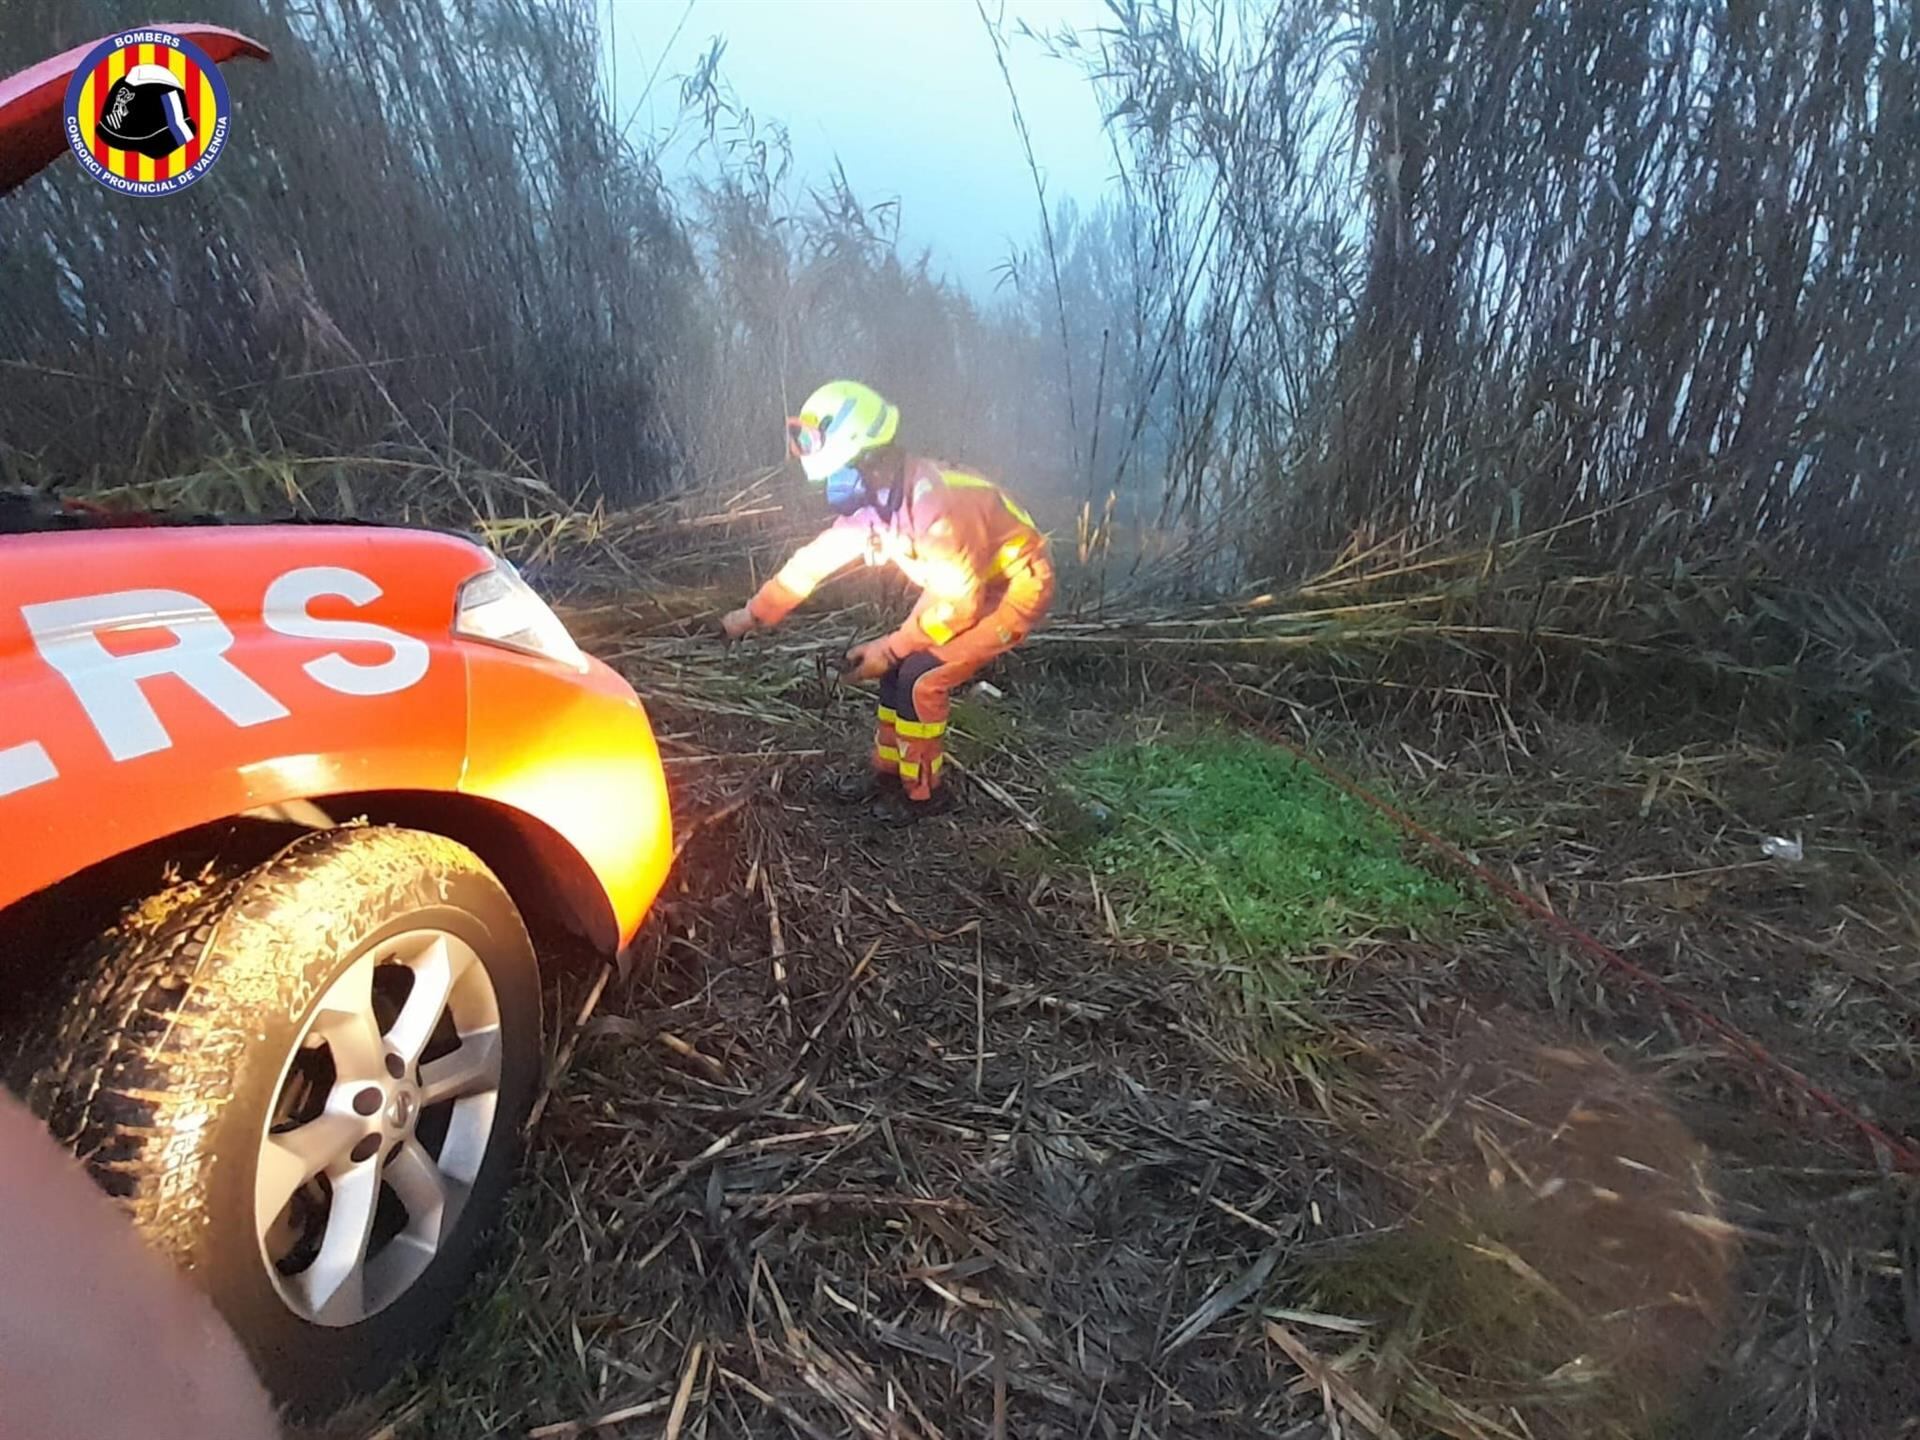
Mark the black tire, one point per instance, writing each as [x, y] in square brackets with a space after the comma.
[167, 1067]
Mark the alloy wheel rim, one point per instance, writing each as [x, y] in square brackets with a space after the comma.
[381, 1121]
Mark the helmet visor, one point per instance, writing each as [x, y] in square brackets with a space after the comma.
[805, 436]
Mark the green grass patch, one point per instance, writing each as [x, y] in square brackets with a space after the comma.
[1227, 840]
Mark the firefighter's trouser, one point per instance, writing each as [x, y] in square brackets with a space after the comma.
[916, 693]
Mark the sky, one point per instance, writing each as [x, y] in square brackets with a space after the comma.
[906, 94]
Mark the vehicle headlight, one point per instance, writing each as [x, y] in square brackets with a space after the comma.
[501, 609]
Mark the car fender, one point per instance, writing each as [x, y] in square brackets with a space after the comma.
[575, 751]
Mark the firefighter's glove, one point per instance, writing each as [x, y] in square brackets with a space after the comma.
[867, 662]
[737, 623]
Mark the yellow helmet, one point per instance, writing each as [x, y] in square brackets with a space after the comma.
[839, 422]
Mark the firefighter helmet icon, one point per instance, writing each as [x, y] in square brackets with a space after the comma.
[147, 113]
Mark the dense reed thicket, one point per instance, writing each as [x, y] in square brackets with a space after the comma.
[1373, 267]
[426, 240]
[1477, 267]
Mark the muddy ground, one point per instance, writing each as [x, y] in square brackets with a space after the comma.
[903, 1134]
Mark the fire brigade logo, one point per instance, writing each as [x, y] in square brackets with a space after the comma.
[147, 113]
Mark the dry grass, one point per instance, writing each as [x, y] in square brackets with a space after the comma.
[885, 1145]
[911, 1136]
[908, 1137]
[1480, 632]
[1660, 854]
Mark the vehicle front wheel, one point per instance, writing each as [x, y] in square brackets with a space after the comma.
[308, 1084]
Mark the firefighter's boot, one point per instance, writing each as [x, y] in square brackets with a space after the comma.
[862, 786]
[898, 808]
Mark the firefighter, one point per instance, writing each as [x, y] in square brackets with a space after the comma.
[980, 561]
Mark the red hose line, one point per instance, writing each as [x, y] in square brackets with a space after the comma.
[1902, 1152]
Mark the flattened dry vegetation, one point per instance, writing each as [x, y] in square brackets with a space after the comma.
[887, 1143]
[1061, 1116]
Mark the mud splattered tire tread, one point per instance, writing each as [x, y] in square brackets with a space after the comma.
[165, 1064]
